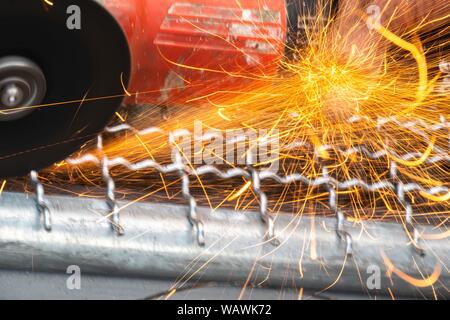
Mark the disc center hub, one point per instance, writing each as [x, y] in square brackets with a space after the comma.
[12, 95]
[22, 86]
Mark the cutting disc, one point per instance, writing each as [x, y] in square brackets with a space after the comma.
[63, 70]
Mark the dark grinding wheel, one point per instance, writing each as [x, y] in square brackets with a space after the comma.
[77, 65]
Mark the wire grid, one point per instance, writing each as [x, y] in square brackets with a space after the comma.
[259, 176]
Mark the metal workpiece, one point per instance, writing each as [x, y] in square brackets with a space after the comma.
[159, 244]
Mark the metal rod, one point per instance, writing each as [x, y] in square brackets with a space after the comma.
[159, 244]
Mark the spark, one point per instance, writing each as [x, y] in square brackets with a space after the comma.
[171, 294]
[300, 294]
[437, 236]
[120, 117]
[127, 93]
[222, 115]
[442, 198]
[419, 161]
[418, 55]
[2, 187]
[390, 293]
[420, 283]
[244, 188]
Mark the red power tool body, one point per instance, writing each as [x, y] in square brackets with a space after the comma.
[182, 48]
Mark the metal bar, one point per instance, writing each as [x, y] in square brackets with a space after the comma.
[159, 244]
